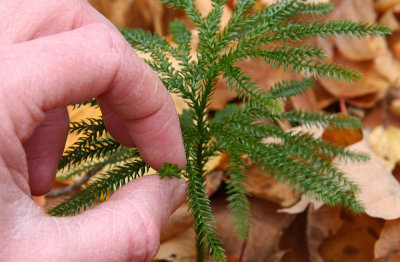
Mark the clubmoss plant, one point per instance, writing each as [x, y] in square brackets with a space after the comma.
[276, 34]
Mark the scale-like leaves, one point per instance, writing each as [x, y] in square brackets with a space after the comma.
[296, 158]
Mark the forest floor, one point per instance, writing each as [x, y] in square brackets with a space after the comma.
[287, 226]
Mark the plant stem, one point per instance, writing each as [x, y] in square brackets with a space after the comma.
[200, 250]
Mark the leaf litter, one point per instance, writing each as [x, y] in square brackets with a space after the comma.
[288, 226]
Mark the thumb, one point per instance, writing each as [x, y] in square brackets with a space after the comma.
[125, 228]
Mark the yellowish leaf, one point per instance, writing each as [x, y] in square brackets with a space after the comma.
[385, 142]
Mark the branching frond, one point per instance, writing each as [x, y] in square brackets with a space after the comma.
[286, 89]
[296, 158]
[199, 204]
[297, 32]
[86, 149]
[120, 156]
[321, 120]
[100, 188]
[304, 176]
[247, 90]
[311, 67]
[315, 9]
[236, 185]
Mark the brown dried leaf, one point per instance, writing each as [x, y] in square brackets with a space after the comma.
[358, 11]
[222, 95]
[385, 142]
[380, 192]
[266, 229]
[342, 137]
[354, 241]
[180, 248]
[384, 5]
[388, 243]
[372, 82]
[389, 19]
[179, 221]
[293, 242]
[301, 205]
[205, 6]
[265, 187]
[149, 15]
[322, 223]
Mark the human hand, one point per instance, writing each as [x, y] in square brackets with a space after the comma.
[56, 53]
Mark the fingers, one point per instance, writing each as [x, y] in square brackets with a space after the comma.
[44, 148]
[44, 17]
[132, 219]
[125, 228]
[92, 61]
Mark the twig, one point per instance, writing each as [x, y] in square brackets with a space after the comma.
[68, 189]
[241, 256]
[343, 107]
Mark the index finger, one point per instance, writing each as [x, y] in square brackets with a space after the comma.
[92, 61]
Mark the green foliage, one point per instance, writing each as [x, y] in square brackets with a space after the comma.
[169, 170]
[274, 33]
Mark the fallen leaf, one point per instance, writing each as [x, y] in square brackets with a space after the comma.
[263, 186]
[222, 95]
[357, 11]
[383, 5]
[354, 241]
[389, 19]
[306, 101]
[293, 242]
[378, 115]
[301, 205]
[179, 221]
[372, 82]
[380, 191]
[388, 243]
[385, 142]
[267, 227]
[342, 137]
[148, 15]
[180, 248]
[213, 181]
[322, 223]
[205, 6]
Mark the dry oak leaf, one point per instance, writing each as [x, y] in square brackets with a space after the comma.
[354, 241]
[322, 222]
[263, 186]
[179, 248]
[380, 191]
[373, 83]
[384, 5]
[179, 222]
[267, 227]
[358, 11]
[388, 243]
[385, 142]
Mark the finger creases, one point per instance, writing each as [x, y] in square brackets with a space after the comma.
[93, 61]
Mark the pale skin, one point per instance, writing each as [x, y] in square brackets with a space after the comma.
[57, 53]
